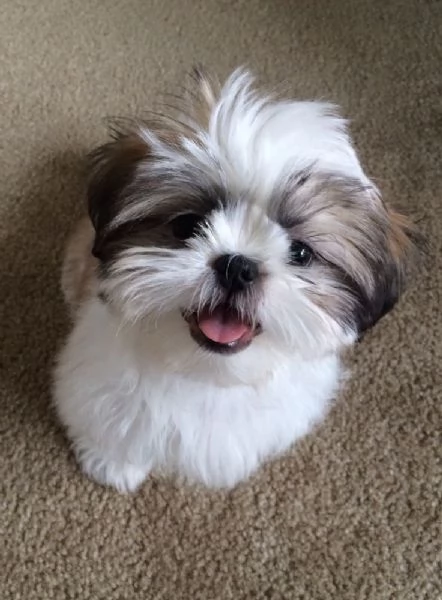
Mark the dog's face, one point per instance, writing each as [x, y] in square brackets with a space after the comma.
[249, 217]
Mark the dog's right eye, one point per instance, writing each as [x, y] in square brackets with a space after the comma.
[300, 254]
[185, 226]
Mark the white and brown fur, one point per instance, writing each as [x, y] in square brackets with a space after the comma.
[134, 389]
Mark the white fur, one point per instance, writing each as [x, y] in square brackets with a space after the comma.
[135, 391]
[134, 403]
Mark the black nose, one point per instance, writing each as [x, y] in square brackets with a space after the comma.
[235, 272]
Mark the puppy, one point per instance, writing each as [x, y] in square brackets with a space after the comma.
[232, 251]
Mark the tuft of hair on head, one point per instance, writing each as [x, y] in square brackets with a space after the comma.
[207, 92]
[137, 143]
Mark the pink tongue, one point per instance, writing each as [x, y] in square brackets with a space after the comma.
[222, 327]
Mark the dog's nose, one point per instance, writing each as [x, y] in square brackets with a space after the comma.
[235, 272]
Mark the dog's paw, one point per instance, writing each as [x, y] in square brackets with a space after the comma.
[124, 476]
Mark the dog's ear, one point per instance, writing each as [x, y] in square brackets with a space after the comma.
[112, 170]
[401, 244]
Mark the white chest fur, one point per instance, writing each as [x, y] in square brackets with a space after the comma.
[131, 405]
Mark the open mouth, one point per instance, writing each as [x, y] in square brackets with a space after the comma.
[221, 330]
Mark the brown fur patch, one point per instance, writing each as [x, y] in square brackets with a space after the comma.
[113, 166]
[362, 246]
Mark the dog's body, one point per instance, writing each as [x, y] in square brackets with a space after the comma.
[226, 266]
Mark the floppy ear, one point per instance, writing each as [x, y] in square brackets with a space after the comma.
[391, 271]
[113, 168]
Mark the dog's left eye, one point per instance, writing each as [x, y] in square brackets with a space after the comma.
[184, 226]
[300, 254]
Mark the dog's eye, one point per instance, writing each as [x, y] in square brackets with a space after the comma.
[300, 254]
[184, 226]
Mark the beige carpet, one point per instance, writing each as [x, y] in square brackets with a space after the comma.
[354, 511]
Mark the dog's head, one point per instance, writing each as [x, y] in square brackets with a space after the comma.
[251, 218]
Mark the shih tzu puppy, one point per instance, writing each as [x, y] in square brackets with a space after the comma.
[232, 251]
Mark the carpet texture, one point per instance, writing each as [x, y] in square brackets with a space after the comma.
[353, 511]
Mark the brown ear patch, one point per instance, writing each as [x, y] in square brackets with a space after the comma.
[365, 250]
[401, 244]
[133, 148]
[113, 166]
